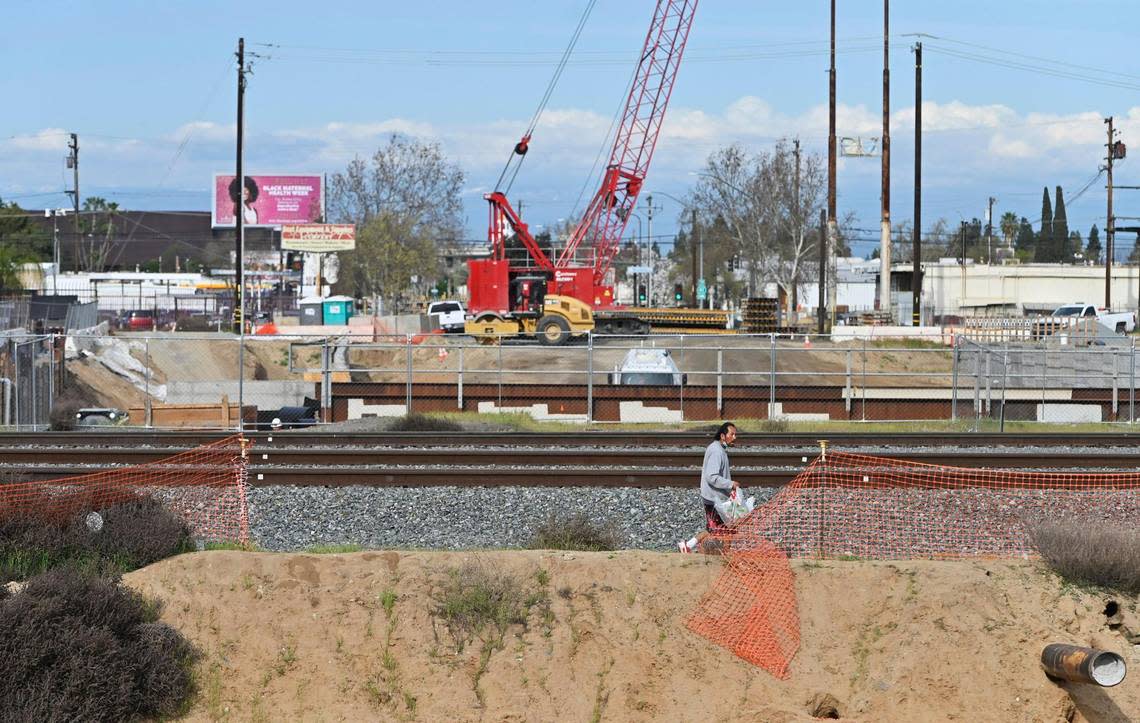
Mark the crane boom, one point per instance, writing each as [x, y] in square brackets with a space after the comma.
[605, 219]
[494, 282]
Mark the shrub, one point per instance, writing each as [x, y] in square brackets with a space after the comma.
[1091, 552]
[135, 533]
[424, 423]
[77, 646]
[774, 425]
[575, 532]
[476, 598]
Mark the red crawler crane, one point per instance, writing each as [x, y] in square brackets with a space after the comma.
[603, 224]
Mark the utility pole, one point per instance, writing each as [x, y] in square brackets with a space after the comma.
[990, 231]
[821, 310]
[239, 211]
[795, 302]
[1110, 226]
[832, 224]
[916, 231]
[885, 230]
[649, 252]
[962, 244]
[693, 253]
[73, 164]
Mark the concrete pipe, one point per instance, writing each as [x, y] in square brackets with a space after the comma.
[1082, 665]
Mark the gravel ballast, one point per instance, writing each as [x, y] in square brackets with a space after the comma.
[288, 518]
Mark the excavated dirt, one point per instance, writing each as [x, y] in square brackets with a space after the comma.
[744, 361]
[307, 637]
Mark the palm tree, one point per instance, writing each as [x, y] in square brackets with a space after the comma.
[1009, 224]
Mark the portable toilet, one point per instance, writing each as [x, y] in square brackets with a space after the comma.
[312, 311]
[338, 309]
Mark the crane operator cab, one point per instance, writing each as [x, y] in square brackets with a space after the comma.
[528, 295]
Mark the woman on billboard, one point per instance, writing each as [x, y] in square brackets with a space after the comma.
[248, 196]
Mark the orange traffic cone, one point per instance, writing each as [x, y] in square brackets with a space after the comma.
[807, 342]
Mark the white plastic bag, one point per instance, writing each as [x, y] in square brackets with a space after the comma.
[735, 507]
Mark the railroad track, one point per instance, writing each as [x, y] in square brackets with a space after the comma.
[282, 461]
[314, 438]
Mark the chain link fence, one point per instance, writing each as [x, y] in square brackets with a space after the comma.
[216, 380]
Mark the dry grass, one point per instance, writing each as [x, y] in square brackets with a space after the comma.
[575, 532]
[1091, 552]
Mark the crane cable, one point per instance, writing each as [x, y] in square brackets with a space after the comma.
[520, 148]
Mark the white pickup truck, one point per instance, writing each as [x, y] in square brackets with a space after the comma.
[451, 315]
[1120, 321]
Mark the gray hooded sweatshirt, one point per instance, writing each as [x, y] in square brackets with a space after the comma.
[716, 484]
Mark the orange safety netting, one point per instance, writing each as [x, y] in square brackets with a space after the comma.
[849, 505]
[205, 486]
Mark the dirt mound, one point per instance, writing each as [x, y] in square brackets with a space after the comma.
[352, 637]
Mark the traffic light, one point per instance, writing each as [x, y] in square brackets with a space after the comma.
[678, 292]
[641, 296]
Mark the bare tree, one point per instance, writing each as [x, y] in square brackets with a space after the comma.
[405, 199]
[767, 213]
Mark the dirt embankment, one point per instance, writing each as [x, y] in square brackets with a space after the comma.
[309, 637]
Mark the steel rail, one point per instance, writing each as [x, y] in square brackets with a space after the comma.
[311, 437]
[77, 459]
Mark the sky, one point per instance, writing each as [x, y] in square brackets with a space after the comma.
[1015, 93]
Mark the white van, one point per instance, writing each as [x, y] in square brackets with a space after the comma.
[451, 315]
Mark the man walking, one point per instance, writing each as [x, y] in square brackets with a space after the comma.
[716, 481]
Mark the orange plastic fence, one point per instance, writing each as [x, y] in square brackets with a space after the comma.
[205, 486]
[880, 508]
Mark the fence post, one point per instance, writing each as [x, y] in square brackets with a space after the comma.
[326, 382]
[1044, 377]
[500, 405]
[590, 378]
[35, 406]
[1115, 388]
[51, 375]
[681, 386]
[989, 387]
[241, 376]
[771, 375]
[977, 386]
[460, 398]
[16, 386]
[847, 384]
[954, 381]
[863, 391]
[147, 414]
[1132, 383]
[408, 381]
[719, 381]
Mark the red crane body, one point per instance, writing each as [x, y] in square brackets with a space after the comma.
[603, 224]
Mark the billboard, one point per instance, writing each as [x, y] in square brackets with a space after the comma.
[269, 200]
[318, 237]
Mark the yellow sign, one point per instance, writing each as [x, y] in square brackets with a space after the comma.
[318, 237]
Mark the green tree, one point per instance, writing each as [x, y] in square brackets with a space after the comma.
[1026, 240]
[1008, 226]
[1076, 246]
[1134, 257]
[392, 259]
[98, 235]
[1093, 248]
[17, 229]
[1061, 241]
[406, 202]
[11, 260]
[1045, 249]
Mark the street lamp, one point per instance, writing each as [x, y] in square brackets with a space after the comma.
[54, 214]
[700, 242]
[637, 244]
